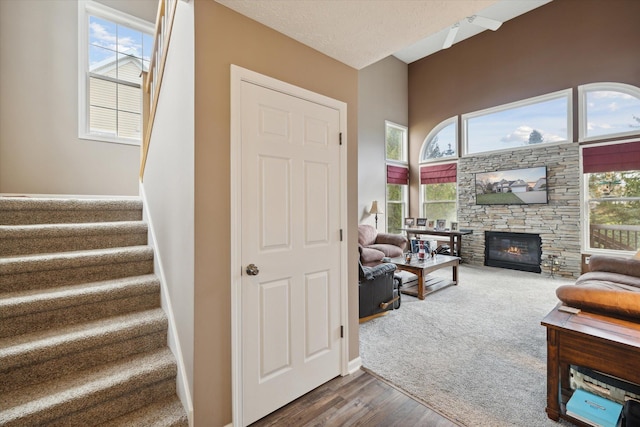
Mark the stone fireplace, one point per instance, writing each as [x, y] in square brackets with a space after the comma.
[517, 251]
[557, 222]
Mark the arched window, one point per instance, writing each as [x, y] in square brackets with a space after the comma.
[442, 141]
[607, 110]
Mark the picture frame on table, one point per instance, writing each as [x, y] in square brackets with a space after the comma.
[408, 222]
[454, 226]
[431, 224]
[441, 224]
[421, 222]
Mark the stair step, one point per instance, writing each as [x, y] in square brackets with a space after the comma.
[42, 346]
[68, 268]
[166, 413]
[83, 340]
[47, 238]
[93, 396]
[27, 210]
[36, 310]
[28, 375]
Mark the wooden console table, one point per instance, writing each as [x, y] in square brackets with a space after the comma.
[455, 237]
[605, 344]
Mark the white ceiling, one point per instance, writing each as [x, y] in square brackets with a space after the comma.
[362, 32]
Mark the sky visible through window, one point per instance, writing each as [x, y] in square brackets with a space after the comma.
[542, 122]
[108, 41]
[611, 112]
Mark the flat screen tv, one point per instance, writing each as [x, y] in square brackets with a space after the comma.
[512, 187]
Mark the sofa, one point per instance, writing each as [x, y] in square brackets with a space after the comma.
[378, 289]
[374, 246]
[612, 287]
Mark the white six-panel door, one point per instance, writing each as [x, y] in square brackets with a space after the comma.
[290, 230]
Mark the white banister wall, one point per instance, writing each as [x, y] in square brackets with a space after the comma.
[168, 191]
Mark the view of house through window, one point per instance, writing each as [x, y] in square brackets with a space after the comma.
[118, 49]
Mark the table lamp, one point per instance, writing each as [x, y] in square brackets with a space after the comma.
[375, 210]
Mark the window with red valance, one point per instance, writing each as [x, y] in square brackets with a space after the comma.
[438, 174]
[397, 175]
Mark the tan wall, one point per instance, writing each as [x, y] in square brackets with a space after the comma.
[222, 38]
[560, 45]
[39, 147]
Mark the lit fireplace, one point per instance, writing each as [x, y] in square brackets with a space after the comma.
[517, 251]
[514, 250]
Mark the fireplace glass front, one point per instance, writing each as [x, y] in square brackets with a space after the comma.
[517, 251]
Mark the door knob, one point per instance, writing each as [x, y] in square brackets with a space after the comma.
[252, 270]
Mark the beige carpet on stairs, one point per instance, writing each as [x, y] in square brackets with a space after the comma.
[83, 340]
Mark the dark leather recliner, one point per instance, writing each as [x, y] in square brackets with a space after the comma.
[378, 289]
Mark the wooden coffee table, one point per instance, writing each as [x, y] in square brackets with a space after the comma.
[422, 268]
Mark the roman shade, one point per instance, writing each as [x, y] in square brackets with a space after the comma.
[438, 174]
[611, 158]
[397, 175]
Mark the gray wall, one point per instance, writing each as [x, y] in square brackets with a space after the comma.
[40, 152]
[382, 95]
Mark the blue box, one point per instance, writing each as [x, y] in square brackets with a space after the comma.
[593, 409]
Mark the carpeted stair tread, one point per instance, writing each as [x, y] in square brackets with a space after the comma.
[35, 301]
[42, 346]
[41, 403]
[166, 413]
[27, 210]
[83, 339]
[92, 358]
[46, 238]
[76, 259]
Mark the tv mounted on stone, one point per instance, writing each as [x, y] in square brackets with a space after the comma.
[512, 187]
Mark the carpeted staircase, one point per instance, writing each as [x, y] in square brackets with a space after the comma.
[83, 340]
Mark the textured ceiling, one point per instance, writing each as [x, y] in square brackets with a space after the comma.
[361, 32]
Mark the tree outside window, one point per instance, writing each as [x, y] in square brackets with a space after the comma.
[395, 207]
[440, 201]
[396, 142]
[397, 176]
[614, 210]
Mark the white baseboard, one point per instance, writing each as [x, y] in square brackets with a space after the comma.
[354, 365]
[182, 384]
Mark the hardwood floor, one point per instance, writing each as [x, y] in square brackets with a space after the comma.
[359, 399]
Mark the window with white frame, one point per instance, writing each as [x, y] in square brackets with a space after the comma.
[396, 148]
[442, 141]
[608, 110]
[114, 48]
[439, 192]
[540, 120]
[612, 196]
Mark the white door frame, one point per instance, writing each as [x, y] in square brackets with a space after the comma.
[238, 75]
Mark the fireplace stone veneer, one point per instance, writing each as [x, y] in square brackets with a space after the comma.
[558, 222]
[517, 251]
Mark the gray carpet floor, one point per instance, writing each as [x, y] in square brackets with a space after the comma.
[475, 352]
